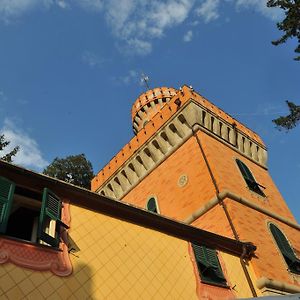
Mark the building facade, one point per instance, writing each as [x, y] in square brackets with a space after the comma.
[194, 163]
[59, 241]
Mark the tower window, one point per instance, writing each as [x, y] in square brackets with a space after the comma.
[152, 205]
[286, 250]
[251, 182]
[208, 264]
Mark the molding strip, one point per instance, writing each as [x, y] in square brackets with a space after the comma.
[232, 196]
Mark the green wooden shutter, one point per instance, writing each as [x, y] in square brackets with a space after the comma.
[51, 210]
[7, 189]
[250, 180]
[208, 265]
[151, 205]
[283, 244]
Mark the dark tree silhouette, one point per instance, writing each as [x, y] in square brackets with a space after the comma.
[3, 144]
[290, 25]
[290, 121]
[75, 169]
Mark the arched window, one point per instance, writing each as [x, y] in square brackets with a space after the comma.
[251, 182]
[152, 205]
[286, 250]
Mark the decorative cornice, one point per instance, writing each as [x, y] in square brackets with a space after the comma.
[170, 137]
[264, 282]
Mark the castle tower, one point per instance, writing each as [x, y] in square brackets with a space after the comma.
[192, 162]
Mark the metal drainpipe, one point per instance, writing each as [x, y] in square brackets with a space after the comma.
[194, 130]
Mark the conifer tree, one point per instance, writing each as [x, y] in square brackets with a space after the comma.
[3, 144]
[290, 25]
[290, 121]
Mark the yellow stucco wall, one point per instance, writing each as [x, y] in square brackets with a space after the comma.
[117, 260]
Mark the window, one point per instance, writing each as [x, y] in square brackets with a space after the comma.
[208, 265]
[251, 182]
[152, 205]
[30, 215]
[286, 250]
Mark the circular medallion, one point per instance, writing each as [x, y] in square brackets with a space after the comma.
[182, 181]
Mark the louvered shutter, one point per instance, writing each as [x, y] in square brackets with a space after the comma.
[151, 205]
[283, 244]
[250, 180]
[51, 210]
[208, 265]
[245, 171]
[7, 189]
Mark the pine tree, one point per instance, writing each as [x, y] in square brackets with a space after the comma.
[290, 121]
[290, 25]
[3, 144]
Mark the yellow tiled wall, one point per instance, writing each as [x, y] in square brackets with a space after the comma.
[117, 260]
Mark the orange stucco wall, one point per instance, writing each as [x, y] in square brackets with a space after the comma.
[175, 201]
[180, 202]
[222, 161]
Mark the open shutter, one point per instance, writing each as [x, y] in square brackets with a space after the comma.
[7, 189]
[50, 211]
[245, 171]
[250, 180]
[208, 265]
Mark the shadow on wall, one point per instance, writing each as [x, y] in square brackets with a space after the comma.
[80, 284]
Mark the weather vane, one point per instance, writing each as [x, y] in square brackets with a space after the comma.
[145, 79]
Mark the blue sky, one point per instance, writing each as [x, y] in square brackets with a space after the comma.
[70, 72]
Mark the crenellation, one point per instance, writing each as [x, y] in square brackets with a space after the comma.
[165, 131]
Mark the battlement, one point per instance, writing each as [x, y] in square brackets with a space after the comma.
[165, 131]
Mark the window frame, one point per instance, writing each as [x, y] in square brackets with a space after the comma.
[45, 212]
[5, 202]
[248, 177]
[284, 246]
[207, 259]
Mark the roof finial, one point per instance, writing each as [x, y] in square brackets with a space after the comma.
[145, 79]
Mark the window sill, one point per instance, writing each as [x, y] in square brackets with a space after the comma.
[35, 256]
[216, 284]
[45, 247]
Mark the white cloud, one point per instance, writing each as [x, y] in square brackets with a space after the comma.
[261, 7]
[137, 23]
[13, 8]
[92, 59]
[208, 10]
[131, 77]
[29, 154]
[62, 3]
[188, 36]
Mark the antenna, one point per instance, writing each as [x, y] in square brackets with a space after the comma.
[145, 79]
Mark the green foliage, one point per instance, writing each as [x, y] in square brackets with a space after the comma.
[75, 169]
[291, 23]
[290, 121]
[4, 143]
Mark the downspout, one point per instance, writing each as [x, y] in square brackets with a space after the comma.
[195, 128]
